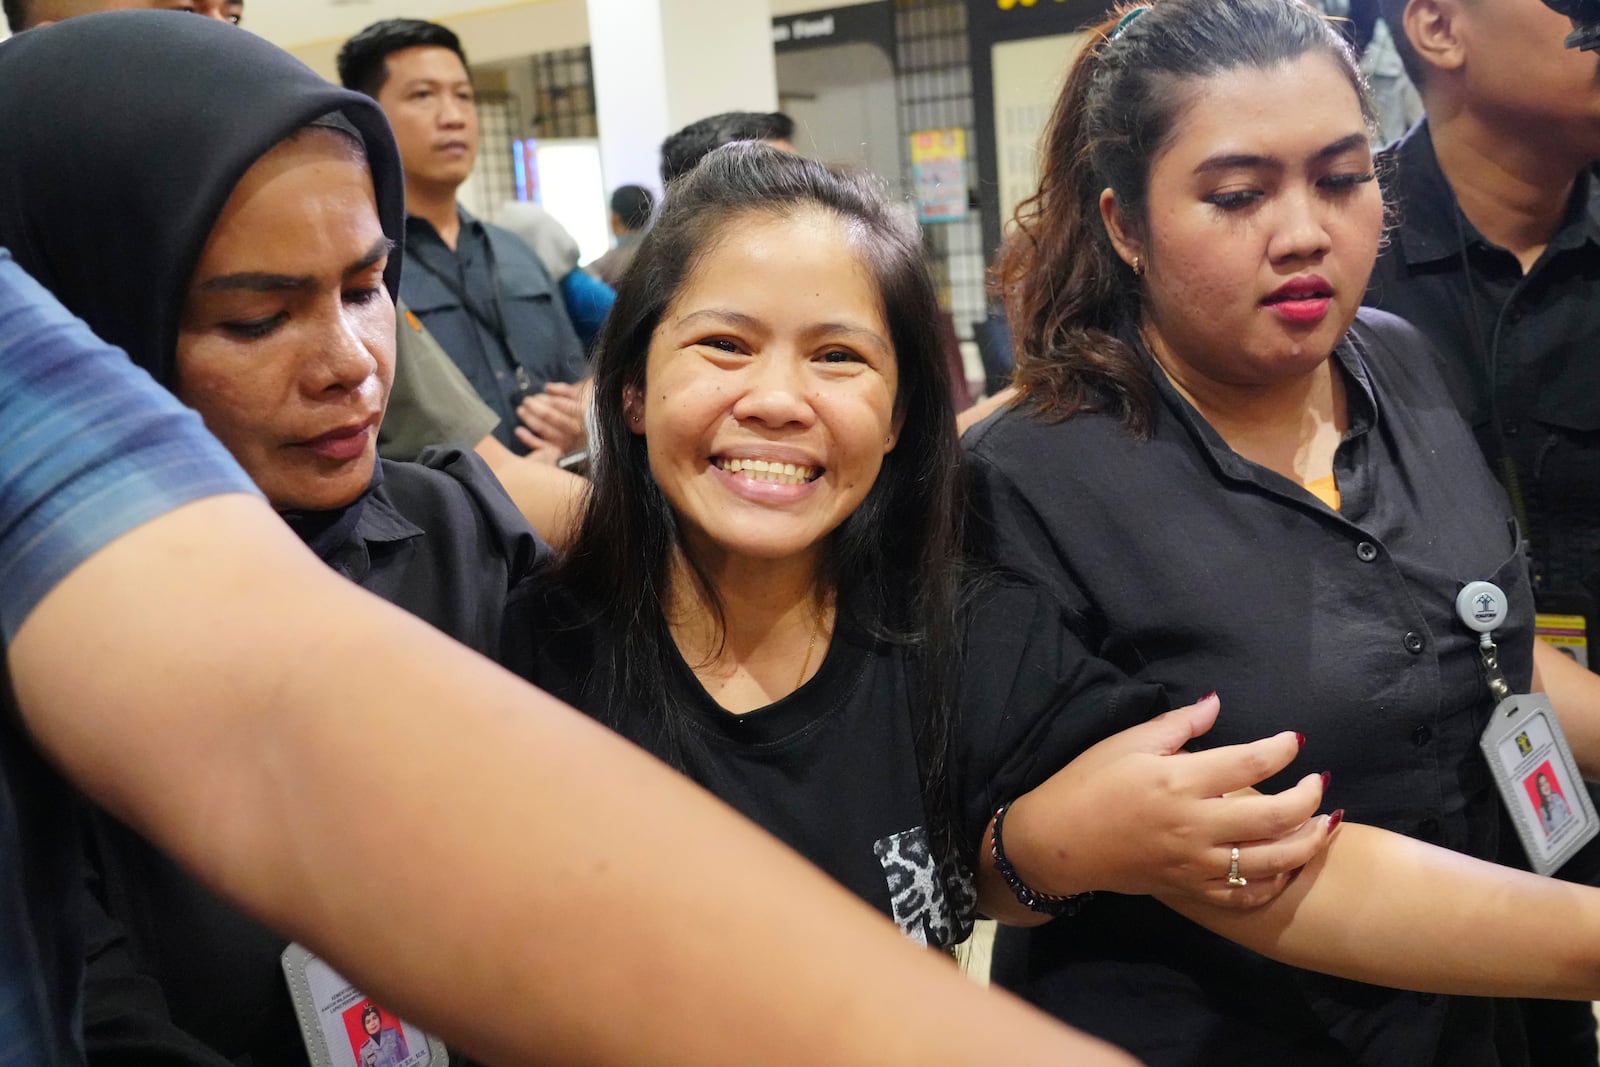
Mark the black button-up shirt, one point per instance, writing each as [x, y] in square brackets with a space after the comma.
[1520, 352]
[1193, 568]
[174, 969]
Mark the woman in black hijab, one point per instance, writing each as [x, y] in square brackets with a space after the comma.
[231, 220]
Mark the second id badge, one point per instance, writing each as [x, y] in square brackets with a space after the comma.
[344, 1028]
[1539, 780]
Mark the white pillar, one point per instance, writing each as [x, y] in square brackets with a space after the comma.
[662, 64]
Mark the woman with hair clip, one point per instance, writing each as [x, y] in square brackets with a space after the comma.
[248, 261]
[1235, 479]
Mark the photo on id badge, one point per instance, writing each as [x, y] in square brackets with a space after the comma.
[1549, 801]
[1530, 755]
[343, 1027]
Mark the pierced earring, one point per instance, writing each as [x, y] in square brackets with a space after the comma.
[634, 418]
[1138, 267]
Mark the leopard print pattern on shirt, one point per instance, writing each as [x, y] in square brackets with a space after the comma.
[932, 906]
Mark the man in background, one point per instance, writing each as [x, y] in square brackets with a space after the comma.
[631, 209]
[479, 290]
[681, 151]
[1497, 260]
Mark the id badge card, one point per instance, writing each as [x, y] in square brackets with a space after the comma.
[344, 1028]
[1539, 780]
[1568, 633]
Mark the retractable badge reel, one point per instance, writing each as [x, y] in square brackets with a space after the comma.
[1525, 748]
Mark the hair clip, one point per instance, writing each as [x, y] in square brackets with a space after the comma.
[1125, 21]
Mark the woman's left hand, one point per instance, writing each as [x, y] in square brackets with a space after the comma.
[1137, 814]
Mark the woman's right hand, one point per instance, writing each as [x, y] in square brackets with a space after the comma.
[1137, 814]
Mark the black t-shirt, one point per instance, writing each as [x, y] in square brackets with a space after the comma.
[832, 769]
[1190, 567]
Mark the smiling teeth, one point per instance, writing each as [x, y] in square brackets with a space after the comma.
[761, 470]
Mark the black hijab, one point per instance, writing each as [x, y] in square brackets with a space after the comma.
[121, 137]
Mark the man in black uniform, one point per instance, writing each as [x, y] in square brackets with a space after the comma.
[1496, 259]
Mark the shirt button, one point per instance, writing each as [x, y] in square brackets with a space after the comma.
[1414, 642]
[1421, 736]
[1428, 828]
[1366, 552]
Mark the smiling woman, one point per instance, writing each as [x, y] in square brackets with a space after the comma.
[769, 408]
[751, 552]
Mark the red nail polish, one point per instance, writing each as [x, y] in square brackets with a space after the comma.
[1207, 697]
[1300, 739]
[1335, 819]
[1327, 780]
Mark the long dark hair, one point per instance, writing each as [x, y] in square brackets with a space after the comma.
[1067, 293]
[893, 564]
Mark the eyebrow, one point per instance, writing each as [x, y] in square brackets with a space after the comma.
[266, 282]
[439, 83]
[821, 329]
[1245, 160]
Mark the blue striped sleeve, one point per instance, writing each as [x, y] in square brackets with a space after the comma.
[90, 446]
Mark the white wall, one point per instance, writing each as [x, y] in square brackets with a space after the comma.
[314, 29]
[487, 35]
[843, 103]
[1027, 78]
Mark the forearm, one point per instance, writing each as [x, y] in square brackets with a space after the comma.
[1382, 908]
[551, 869]
[548, 497]
[997, 899]
[975, 414]
[1574, 692]
[495, 454]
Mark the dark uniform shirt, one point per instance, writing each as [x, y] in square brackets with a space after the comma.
[1521, 353]
[441, 540]
[492, 307]
[1190, 567]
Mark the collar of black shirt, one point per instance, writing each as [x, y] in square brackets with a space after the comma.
[1431, 226]
[1349, 355]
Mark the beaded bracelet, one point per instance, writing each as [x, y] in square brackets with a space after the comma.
[1032, 899]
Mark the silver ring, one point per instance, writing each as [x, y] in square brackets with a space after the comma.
[1234, 879]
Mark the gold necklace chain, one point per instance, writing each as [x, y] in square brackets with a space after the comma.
[811, 646]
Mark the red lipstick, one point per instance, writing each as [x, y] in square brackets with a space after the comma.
[1301, 301]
